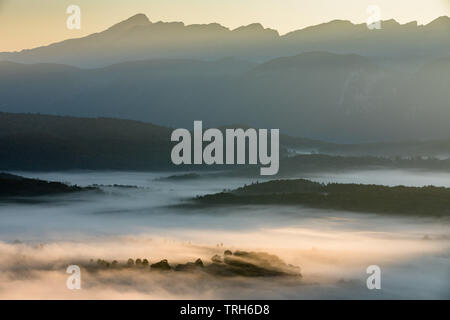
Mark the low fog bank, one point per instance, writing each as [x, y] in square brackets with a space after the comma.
[333, 266]
[333, 249]
[202, 182]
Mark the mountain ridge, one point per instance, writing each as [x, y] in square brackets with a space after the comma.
[138, 38]
[320, 95]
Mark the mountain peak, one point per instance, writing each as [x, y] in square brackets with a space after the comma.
[252, 26]
[442, 22]
[255, 28]
[391, 23]
[139, 19]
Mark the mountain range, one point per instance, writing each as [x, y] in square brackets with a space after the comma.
[319, 95]
[337, 81]
[138, 38]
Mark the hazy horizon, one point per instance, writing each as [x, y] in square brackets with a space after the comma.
[18, 19]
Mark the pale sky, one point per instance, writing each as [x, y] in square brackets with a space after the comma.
[30, 23]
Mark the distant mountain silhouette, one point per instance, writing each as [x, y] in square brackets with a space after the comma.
[319, 95]
[138, 38]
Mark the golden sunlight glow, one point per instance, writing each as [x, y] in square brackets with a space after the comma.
[26, 24]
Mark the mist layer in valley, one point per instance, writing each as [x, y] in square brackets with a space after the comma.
[135, 217]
